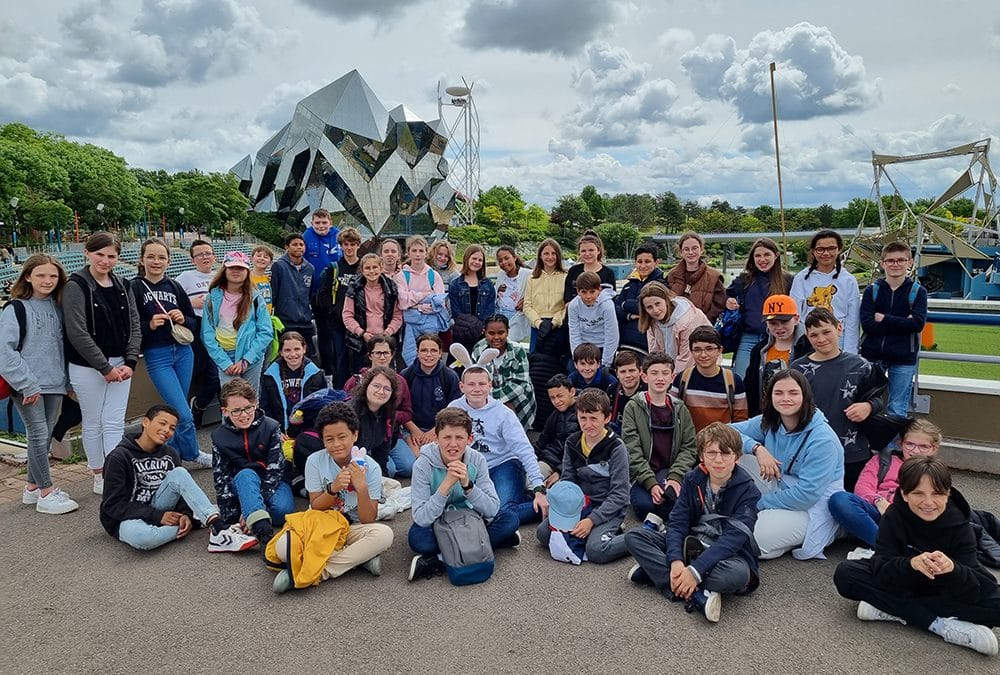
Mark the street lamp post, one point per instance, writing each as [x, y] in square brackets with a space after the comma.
[14, 201]
[180, 210]
[100, 214]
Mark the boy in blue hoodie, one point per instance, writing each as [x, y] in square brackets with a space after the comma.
[588, 373]
[627, 301]
[595, 459]
[893, 314]
[708, 548]
[291, 278]
[591, 316]
[449, 474]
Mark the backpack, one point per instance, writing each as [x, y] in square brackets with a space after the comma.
[430, 276]
[910, 298]
[22, 329]
[727, 378]
[729, 325]
[465, 546]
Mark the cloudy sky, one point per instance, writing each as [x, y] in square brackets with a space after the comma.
[641, 96]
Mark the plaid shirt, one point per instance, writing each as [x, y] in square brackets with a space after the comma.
[511, 383]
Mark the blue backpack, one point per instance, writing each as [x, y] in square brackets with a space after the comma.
[729, 325]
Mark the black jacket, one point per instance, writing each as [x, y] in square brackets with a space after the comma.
[902, 535]
[551, 443]
[131, 478]
[754, 380]
[896, 338]
[376, 434]
[257, 448]
[332, 289]
[356, 291]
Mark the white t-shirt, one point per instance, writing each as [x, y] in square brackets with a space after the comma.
[321, 470]
[195, 284]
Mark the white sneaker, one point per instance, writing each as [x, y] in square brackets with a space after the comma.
[373, 566]
[868, 612]
[860, 553]
[98, 483]
[231, 540]
[713, 606]
[56, 502]
[30, 497]
[968, 634]
[202, 461]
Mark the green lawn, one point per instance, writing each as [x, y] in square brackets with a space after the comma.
[967, 340]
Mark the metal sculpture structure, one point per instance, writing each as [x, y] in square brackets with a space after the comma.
[463, 147]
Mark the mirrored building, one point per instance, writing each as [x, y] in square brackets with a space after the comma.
[383, 172]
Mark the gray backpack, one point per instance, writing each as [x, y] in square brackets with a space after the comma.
[465, 546]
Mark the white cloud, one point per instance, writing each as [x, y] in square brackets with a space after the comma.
[357, 9]
[815, 76]
[951, 88]
[559, 27]
[676, 40]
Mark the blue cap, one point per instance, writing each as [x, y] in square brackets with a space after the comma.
[566, 501]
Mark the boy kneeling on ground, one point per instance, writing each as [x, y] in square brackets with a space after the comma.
[149, 498]
[450, 475]
[708, 548]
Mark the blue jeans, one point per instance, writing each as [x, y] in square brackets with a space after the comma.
[856, 516]
[642, 501]
[508, 479]
[169, 369]
[253, 506]
[741, 359]
[900, 389]
[423, 541]
[401, 459]
[176, 486]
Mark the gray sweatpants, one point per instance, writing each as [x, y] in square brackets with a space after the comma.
[649, 549]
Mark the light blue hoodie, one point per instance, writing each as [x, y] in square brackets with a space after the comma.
[428, 505]
[499, 437]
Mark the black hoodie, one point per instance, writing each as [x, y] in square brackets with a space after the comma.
[131, 478]
[903, 535]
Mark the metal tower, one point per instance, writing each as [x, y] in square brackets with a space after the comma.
[463, 147]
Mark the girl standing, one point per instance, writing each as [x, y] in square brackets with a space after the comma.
[31, 360]
[667, 320]
[510, 284]
[391, 254]
[371, 308]
[418, 284]
[441, 257]
[102, 347]
[162, 303]
[236, 327]
[693, 279]
[591, 250]
[472, 297]
[762, 277]
[826, 284]
[544, 305]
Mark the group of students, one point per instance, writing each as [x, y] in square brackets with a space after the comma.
[722, 470]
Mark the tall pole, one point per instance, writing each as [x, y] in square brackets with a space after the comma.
[777, 159]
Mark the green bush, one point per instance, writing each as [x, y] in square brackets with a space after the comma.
[266, 227]
[619, 239]
[508, 237]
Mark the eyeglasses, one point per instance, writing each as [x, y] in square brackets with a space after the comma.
[826, 249]
[203, 255]
[704, 350]
[895, 261]
[920, 447]
[715, 454]
[233, 412]
[385, 388]
[382, 354]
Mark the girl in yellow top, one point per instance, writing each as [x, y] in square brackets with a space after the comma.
[543, 296]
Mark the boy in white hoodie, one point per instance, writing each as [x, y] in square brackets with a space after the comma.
[500, 438]
[592, 317]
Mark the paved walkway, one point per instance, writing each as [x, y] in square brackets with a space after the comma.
[72, 599]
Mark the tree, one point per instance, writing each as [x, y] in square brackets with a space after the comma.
[620, 239]
[507, 200]
[572, 211]
[825, 213]
[669, 209]
[691, 209]
[716, 221]
[849, 216]
[597, 204]
[634, 209]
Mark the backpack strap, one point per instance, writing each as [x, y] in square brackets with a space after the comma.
[685, 380]
[21, 314]
[730, 383]
[803, 444]
[914, 289]
[884, 462]
[406, 275]
[430, 277]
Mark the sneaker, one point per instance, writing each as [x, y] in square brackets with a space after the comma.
[56, 502]
[693, 547]
[638, 576]
[282, 582]
[197, 413]
[202, 461]
[860, 553]
[516, 539]
[708, 603]
[30, 497]
[231, 540]
[967, 634]
[373, 566]
[868, 612]
[98, 483]
[653, 523]
[424, 567]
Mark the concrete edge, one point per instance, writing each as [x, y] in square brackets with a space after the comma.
[969, 456]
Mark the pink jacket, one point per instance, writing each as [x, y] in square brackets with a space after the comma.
[686, 317]
[419, 287]
[868, 487]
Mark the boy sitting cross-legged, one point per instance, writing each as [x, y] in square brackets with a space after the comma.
[708, 548]
[149, 498]
[597, 461]
[449, 474]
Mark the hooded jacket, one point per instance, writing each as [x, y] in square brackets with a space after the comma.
[331, 289]
[39, 366]
[253, 337]
[257, 448]
[131, 478]
[705, 292]
[902, 535]
[290, 288]
[737, 500]
[430, 393]
[683, 320]
[551, 443]
[627, 303]
[759, 372]
[499, 437]
[429, 470]
[596, 324]
[638, 435]
[89, 326]
[602, 475]
[896, 338]
[273, 400]
[320, 252]
[751, 297]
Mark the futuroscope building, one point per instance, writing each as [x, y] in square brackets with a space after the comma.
[383, 172]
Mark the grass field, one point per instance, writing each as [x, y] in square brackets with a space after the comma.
[967, 340]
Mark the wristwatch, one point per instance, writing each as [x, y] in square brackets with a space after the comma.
[329, 491]
[539, 489]
[469, 489]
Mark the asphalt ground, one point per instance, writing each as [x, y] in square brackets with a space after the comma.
[72, 599]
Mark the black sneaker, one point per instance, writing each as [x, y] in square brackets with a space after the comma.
[197, 413]
[638, 576]
[424, 567]
[692, 549]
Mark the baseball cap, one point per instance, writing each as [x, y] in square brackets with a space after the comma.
[780, 307]
[566, 501]
[237, 259]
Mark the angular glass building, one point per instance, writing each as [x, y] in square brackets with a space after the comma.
[383, 172]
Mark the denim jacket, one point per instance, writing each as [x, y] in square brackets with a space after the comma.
[461, 303]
